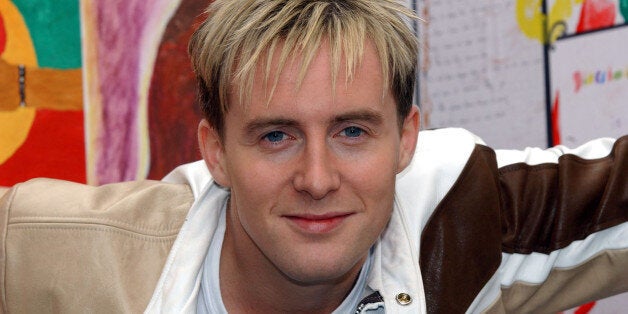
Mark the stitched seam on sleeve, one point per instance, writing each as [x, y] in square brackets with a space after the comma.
[140, 228]
[98, 228]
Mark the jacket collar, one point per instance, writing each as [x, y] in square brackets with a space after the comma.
[395, 268]
[179, 283]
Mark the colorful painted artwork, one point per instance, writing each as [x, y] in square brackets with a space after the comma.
[173, 113]
[139, 88]
[41, 111]
[41, 143]
[569, 17]
[120, 45]
[139, 94]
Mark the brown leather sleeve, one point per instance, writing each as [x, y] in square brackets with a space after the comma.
[546, 207]
[523, 209]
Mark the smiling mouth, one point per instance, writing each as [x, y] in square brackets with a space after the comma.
[317, 224]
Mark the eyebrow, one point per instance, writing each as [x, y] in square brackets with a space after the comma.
[263, 123]
[361, 115]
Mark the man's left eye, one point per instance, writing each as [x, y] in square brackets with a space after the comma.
[352, 131]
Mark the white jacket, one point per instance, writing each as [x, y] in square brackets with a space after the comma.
[471, 230]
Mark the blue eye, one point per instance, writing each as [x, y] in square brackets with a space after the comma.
[275, 136]
[352, 131]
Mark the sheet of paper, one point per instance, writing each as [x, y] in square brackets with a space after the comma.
[480, 72]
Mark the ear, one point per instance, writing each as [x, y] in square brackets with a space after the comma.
[213, 152]
[408, 140]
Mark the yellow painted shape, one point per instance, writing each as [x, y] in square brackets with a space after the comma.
[561, 10]
[14, 128]
[19, 47]
[530, 18]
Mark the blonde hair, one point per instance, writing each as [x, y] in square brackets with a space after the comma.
[240, 34]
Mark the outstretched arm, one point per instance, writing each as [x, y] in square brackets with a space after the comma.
[564, 222]
[523, 231]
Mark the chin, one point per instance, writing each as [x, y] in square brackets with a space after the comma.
[316, 271]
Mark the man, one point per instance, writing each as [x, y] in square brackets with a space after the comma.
[311, 198]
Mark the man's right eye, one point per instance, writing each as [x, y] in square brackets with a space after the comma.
[275, 136]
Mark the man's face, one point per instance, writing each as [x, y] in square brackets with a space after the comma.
[312, 174]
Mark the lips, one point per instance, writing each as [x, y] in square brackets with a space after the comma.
[317, 224]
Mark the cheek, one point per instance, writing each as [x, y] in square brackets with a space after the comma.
[380, 156]
[374, 185]
[256, 184]
[372, 171]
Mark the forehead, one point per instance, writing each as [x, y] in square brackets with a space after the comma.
[306, 76]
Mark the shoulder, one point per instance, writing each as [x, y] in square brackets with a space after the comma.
[439, 160]
[74, 246]
[145, 203]
[3, 190]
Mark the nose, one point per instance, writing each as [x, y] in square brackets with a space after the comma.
[317, 175]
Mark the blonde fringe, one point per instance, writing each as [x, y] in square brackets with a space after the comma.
[240, 35]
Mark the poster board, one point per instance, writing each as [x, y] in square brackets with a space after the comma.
[589, 83]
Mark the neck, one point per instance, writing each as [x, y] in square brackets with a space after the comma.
[250, 283]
